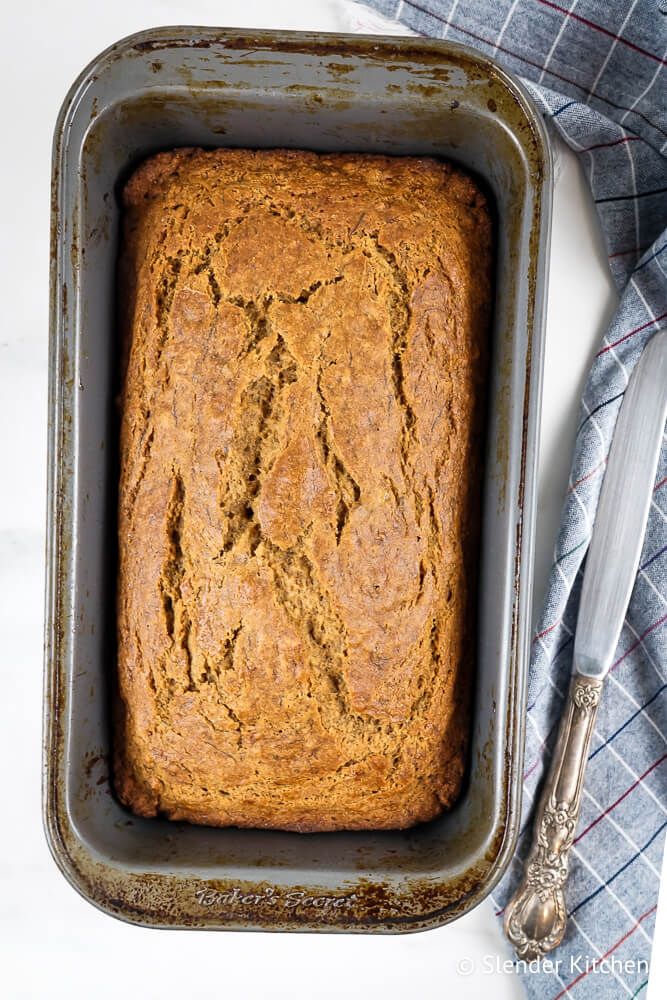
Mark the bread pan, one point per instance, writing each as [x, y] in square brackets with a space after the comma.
[216, 87]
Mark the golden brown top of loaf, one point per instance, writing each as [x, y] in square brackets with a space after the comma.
[301, 413]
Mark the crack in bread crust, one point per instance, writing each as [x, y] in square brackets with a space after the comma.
[301, 410]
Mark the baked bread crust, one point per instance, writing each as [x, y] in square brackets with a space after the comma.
[302, 407]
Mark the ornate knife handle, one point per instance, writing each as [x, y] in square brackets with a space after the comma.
[535, 917]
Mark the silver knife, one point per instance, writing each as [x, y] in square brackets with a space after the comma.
[535, 917]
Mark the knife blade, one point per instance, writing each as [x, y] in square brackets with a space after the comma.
[622, 512]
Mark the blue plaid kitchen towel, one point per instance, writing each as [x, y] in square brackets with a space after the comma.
[597, 72]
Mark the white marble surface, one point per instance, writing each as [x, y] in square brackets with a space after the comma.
[52, 943]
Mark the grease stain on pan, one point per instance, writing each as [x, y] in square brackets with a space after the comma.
[362, 904]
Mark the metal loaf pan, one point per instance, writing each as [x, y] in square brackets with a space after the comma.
[199, 86]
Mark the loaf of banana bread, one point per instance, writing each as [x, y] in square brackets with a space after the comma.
[304, 363]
